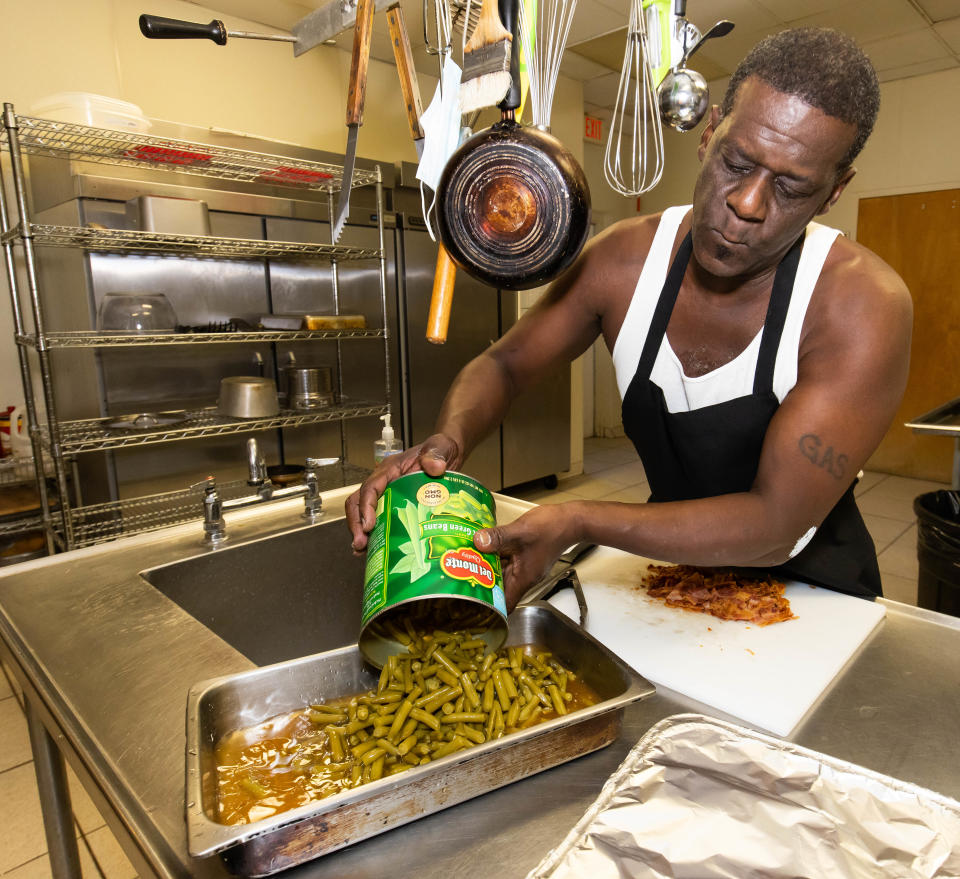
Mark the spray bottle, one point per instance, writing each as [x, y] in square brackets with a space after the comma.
[387, 444]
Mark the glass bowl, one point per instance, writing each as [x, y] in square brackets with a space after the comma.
[136, 313]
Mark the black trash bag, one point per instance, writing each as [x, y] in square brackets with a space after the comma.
[938, 551]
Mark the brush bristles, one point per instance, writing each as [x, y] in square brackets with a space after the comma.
[484, 91]
[486, 76]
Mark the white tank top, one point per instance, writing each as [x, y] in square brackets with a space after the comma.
[684, 393]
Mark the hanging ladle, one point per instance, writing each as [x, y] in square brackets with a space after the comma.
[683, 95]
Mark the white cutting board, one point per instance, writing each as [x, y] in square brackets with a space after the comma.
[767, 676]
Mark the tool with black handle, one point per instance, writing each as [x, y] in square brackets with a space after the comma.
[356, 94]
[321, 25]
[441, 300]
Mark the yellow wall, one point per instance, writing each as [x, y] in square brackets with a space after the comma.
[255, 87]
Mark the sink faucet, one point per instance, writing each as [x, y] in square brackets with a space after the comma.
[214, 526]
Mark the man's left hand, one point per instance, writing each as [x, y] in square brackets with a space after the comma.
[529, 546]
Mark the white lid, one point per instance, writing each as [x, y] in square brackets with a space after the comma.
[387, 433]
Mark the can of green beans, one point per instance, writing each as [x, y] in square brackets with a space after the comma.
[423, 571]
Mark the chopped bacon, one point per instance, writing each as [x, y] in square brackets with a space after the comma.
[723, 594]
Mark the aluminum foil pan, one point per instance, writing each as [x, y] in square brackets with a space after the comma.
[698, 797]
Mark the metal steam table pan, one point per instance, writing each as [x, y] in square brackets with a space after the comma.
[224, 704]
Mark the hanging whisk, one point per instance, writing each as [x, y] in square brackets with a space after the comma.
[633, 163]
[544, 29]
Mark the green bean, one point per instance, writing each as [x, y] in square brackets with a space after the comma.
[368, 758]
[407, 744]
[423, 717]
[556, 699]
[502, 695]
[486, 702]
[363, 747]
[464, 717]
[508, 682]
[440, 698]
[513, 713]
[457, 743]
[450, 679]
[388, 746]
[334, 737]
[446, 662]
[252, 786]
[400, 719]
[475, 736]
[326, 716]
[469, 691]
[535, 689]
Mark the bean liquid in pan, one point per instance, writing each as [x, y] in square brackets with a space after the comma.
[514, 206]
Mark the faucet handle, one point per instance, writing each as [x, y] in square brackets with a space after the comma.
[208, 484]
[256, 464]
[314, 463]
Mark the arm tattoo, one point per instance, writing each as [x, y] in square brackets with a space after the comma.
[824, 457]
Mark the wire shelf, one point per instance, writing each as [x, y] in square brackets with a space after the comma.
[99, 523]
[93, 339]
[66, 140]
[93, 435]
[193, 246]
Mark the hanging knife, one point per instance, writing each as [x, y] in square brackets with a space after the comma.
[312, 30]
[362, 33]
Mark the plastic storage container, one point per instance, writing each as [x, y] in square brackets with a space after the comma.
[938, 551]
[98, 111]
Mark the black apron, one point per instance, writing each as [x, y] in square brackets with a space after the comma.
[716, 450]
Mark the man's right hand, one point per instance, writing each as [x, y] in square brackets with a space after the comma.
[434, 456]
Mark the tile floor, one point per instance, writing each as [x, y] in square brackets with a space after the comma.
[612, 472]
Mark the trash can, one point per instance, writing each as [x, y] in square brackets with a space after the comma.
[938, 551]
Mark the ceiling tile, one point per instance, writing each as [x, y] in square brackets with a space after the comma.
[592, 18]
[578, 67]
[602, 90]
[950, 32]
[940, 10]
[900, 51]
[866, 21]
[790, 10]
[606, 50]
[727, 52]
[918, 69]
[747, 14]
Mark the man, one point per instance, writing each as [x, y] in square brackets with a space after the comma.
[760, 356]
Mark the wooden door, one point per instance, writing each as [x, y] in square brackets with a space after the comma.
[919, 236]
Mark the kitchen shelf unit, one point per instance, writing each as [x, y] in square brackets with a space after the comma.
[62, 440]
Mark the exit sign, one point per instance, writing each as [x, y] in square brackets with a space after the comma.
[592, 128]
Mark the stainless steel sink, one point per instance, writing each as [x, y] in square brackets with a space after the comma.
[278, 598]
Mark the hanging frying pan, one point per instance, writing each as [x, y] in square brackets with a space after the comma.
[513, 204]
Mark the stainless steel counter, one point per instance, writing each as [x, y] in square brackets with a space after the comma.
[106, 661]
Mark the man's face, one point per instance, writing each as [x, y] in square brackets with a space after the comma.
[768, 168]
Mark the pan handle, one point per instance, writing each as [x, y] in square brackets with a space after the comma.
[441, 300]
[510, 16]
[154, 27]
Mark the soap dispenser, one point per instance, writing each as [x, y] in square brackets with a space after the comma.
[387, 444]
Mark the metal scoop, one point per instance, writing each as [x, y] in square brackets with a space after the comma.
[683, 95]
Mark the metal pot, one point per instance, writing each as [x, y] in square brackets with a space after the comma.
[247, 396]
[309, 387]
[514, 206]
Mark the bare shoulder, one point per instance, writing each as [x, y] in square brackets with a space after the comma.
[859, 302]
[605, 274]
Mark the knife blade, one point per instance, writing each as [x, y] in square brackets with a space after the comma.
[359, 62]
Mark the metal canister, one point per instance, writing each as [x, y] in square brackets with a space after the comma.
[422, 567]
